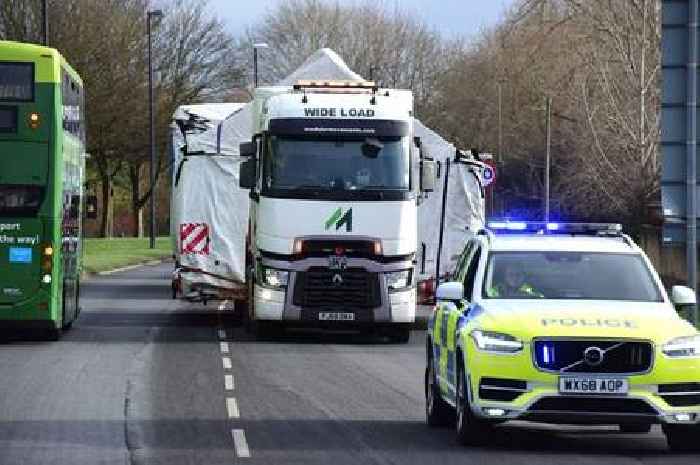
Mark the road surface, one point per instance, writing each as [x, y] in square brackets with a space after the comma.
[142, 379]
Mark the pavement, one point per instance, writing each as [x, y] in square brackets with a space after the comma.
[143, 379]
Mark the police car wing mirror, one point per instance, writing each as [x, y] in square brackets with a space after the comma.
[682, 295]
[247, 149]
[427, 175]
[451, 291]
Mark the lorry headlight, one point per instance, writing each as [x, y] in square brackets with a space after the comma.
[496, 342]
[275, 278]
[397, 280]
[688, 346]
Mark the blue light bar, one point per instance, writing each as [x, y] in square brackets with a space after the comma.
[506, 226]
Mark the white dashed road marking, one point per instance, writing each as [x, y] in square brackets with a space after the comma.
[227, 363]
[224, 347]
[232, 408]
[228, 382]
[222, 334]
[240, 443]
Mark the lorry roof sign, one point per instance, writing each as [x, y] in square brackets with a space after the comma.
[335, 127]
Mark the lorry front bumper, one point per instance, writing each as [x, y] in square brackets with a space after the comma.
[360, 289]
[668, 394]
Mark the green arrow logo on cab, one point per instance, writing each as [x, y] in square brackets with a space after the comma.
[340, 219]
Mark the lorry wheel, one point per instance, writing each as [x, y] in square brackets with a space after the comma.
[266, 330]
[437, 411]
[682, 438]
[471, 431]
[400, 335]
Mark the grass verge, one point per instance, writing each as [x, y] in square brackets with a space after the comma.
[108, 254]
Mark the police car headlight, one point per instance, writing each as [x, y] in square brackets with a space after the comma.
[491, 341]
[275, 278]
[688, 346]
[397, 280]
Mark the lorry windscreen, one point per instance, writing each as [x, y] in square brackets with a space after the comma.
[327, 164]
[20, 200]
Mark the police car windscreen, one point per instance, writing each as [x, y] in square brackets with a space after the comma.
[337, 164]
[569, 275]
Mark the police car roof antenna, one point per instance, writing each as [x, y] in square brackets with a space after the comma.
[442, 224]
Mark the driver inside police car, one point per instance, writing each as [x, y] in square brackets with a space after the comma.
[513, 284]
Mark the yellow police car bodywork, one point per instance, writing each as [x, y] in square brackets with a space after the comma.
[495, 347]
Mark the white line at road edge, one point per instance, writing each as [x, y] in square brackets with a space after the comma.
[227, 363]
[232, 408]
[228, 382]
[224, 347]
[240, 442]
[222, 334]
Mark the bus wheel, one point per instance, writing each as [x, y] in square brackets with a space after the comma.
[54, 334]
[65, 324]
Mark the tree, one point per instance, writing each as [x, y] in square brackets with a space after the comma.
[391, 47]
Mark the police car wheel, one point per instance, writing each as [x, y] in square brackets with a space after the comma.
[471, 431]
[682, 438]
[635, 428]
[437, 411]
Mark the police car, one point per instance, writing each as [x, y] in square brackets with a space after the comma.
[561, 323]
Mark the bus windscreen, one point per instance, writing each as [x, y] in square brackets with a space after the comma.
[17, 82]
[20, 200]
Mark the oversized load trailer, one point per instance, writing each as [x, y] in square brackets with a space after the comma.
[273, 237]
[209, 213]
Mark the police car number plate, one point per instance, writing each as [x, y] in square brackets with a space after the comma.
[333, 316]
[582, 385]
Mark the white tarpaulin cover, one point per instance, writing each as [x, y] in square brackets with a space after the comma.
[464, 212]
[206, 192]
[209, 212]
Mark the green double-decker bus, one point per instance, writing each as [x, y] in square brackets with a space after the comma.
[42, 167]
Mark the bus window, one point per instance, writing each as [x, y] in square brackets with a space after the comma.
[8, 119]
[17, 81]
[20, 200]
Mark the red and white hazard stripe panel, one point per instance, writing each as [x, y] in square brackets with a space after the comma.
[194, 238]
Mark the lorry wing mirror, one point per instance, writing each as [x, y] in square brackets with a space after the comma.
[427, 175]
[247, 149]
[91, 207]
[247, 174]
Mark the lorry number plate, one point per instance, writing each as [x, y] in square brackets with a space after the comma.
[576, 385]
[334, 316]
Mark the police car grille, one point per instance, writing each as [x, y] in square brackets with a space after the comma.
[680, 394]
[620, 357]
[593, 405]
[316, 288]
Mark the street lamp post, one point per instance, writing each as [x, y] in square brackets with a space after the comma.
[256, 46]
[45, 22]
[151, 108]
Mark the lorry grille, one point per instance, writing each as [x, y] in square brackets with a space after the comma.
[569, 356]
[357, 289]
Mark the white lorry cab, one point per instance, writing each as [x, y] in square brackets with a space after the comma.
[334, 174]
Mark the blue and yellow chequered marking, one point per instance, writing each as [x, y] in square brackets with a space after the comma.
[444, 331]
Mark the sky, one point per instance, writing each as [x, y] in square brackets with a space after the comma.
[450, 17]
